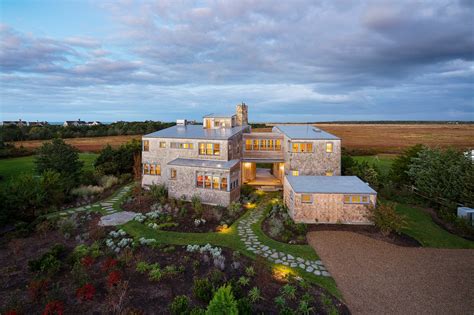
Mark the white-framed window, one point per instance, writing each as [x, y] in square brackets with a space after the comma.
[214, 181]
[206, 148]
[181, 145]
[329, 147]
[301, 147]
[356, 199]
[151, 169]
[306, 198]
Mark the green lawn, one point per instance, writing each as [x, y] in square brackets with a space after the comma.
[421, 227]
[383, 162]
[12, 167]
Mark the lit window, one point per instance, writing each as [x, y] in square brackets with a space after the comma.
[152, 169]
[270, 145]
[158, 169]
[248, 145]
[295, 173]
[224, 183]
[329, 147]
[295, 147]
[305, 198]
[309, 147]
[356, 199]
[263, 144]
[365, 199]
[173, 173]
[199, 180]
[329, 173]
[207, 181]
[215, 182]
[202, 148]
[278, 145]
[146, 168]
[217, 149]
[255, 144]
[162, 144]
[347, 199]
[146, 145]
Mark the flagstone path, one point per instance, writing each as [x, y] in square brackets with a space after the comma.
[252, 243]
[109, 206]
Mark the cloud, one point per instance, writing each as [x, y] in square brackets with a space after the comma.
[329, 58]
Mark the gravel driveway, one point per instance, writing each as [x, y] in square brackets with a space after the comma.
[376, 277]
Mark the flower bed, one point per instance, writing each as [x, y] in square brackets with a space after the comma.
[279, 226]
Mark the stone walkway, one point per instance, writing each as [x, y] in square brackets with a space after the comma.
[253, 244]
[107, 205]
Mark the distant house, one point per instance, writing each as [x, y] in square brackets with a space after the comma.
[38, 123]
[19, 123]
[94, 123]
[74, 123]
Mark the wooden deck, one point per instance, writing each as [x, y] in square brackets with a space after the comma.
[265, 178]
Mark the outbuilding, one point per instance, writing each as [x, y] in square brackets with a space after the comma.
[328, 199]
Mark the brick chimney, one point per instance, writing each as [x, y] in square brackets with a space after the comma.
[242, 114]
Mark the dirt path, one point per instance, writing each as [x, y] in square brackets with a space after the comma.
[380, 278]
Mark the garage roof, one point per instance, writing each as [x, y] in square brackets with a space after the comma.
[329, 185]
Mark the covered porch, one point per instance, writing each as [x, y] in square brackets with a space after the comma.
[262, 173]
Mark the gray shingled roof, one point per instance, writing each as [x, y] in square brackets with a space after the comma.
[213, 115]
[305, 132]
[195, 132]
[329, 185]
[225, 165]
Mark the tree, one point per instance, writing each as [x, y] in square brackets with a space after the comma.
[118, 161]
[399, 170]
[347, 162]
[62, 158]
[442, 175]
[223, 302]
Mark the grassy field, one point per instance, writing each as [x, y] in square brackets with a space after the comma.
[382, 161]
[394, 138]
[13, 167]
[92, 144]
[421, 227]
[379, 138]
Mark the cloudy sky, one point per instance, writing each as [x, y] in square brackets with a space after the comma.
[292, 60]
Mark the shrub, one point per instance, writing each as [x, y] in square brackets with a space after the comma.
[159, 193]
[114, 278]
[234, 208]
[385, 217]
[142, 267]
[49, 262]
[109, 264]
[223, 302]
[202, 289]
[86, 292]
[249, 271]
[243, 281]
[180, 305]
[54, 308]
[155, 274]
[79, 274]
[197, 205]
[244, 306]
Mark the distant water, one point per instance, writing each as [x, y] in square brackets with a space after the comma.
[62, 122]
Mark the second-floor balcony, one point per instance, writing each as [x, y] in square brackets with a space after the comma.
[262, 147]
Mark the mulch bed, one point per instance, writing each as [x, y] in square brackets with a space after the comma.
[370, 231]
[214, 216]
[293, 241]
[135, 293]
